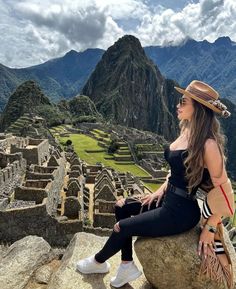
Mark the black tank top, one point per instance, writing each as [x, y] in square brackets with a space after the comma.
[175, 158]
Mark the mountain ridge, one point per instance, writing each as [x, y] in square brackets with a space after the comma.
[64, 77]
[58, 78]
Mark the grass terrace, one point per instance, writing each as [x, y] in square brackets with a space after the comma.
[83, 142]
[153, 187]
[88, 150]
[148, 147]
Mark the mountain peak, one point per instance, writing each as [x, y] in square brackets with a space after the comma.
[128, 39]
[71, 53]
[24, 99]
[127, 43]
[225, 40]
[124, 82]
[188, 41]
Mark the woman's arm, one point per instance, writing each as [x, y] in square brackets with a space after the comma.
[215, 165]
[158, 194]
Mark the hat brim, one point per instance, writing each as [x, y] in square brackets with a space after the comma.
[209, 105]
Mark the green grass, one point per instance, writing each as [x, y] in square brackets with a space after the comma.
[117, 155]
[59, 128]
[152, 186]
[148, 147]
[83, 142]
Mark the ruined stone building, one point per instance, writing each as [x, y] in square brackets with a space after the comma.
[47, 192]
[29, 206]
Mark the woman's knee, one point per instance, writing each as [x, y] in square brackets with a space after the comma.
[116, 227]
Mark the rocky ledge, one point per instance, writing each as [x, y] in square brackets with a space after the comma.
[172, 262]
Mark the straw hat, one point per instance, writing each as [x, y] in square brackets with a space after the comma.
[206, 95]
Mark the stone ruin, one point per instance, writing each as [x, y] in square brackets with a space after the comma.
[152, 162]
[47, 192]
[33, 176]
[109, 186]
[56, 195]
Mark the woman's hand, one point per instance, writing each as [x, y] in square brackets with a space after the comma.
[206, 242]
[150, 198]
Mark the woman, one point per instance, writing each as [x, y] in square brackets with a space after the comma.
[195, 157]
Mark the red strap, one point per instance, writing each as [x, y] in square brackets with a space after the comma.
[227, 201]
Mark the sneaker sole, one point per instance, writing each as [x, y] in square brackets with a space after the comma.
[95, 271]
[131, 278]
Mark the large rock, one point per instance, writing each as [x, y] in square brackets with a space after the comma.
[83, 245]
[21, 260]
[172, 262]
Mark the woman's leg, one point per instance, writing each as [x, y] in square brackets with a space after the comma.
[91, 265]
[153, 223]
[125, 208]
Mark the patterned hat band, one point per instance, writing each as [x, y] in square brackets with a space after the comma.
[204, 96]
[224, 112]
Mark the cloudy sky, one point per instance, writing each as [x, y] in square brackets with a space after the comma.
[34, 31]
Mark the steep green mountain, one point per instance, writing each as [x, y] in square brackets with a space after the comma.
[29, 98]
[30, 125]
[64, 77]
[59, 78]
[80, 109]
[214, 63]
[128, 89]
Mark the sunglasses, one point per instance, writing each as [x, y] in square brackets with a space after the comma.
[182, 101]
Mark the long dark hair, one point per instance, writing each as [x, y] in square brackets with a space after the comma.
[203, 125]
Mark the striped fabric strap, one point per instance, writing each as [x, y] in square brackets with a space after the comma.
[206, 211]
[219, 249]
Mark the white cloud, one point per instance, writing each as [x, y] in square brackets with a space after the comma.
[208, 19]
[35, 31]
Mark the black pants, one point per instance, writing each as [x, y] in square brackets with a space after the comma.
[176, 215]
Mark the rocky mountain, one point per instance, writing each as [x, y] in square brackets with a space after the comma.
[29, 101]
[127, 88]
[214, 63]
[59, 78]
[29, 98]
[80, 109]
[64, 77]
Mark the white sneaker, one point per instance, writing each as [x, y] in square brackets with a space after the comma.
[125, 274]
[89, 266]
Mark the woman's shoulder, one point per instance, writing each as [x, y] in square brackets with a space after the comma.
[211, 145]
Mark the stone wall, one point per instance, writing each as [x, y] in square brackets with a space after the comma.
[35, 151]
[105, 206]
[18, 223]
[44, 184]
[87, 127]
[44, 170]
[104, 220]
[153, 167]
[37, 189]
[57, 184]
[7, 139]
[30, 194]
[98, 231]
[13, 167]
[38, 176]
